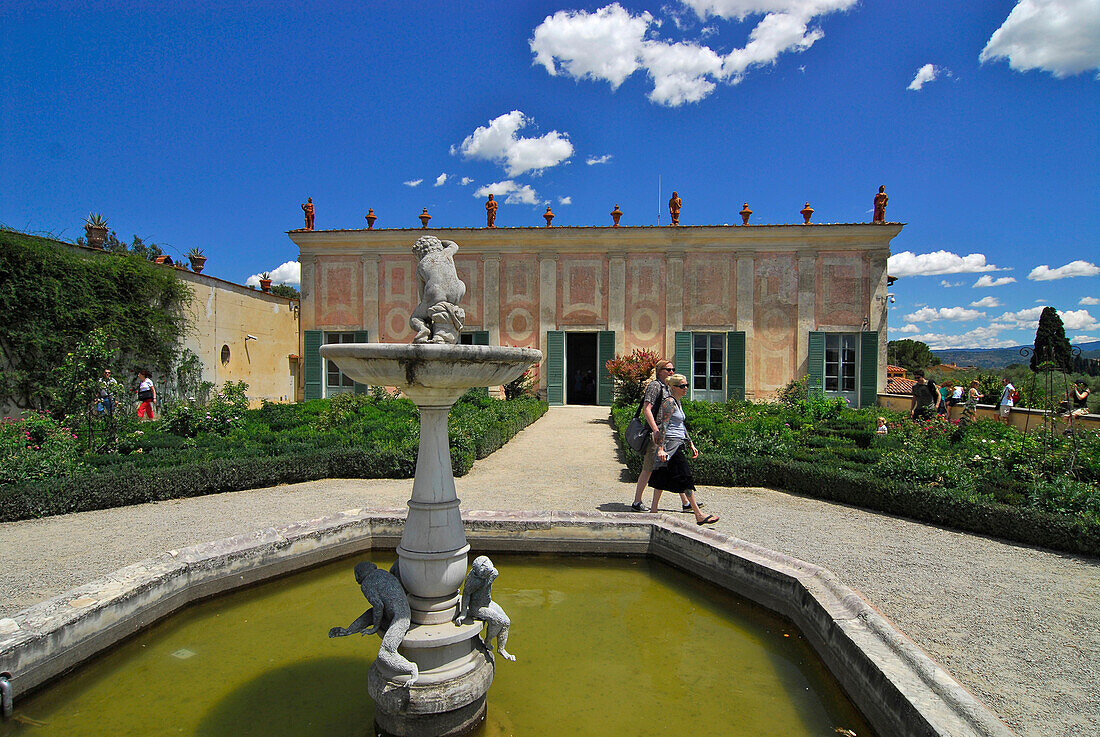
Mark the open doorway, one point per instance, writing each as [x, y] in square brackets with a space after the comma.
[580, 368]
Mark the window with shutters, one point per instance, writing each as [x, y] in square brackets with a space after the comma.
[841, 371]
[708, 367]
[336, 381]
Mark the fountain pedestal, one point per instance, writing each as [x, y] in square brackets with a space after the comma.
[455, 669]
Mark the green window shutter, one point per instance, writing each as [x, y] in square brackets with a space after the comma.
[555, 367]
[735, 365]
[312, 364]
[682, 356]
[605, 352]
[361, 337]
[481, 337]
[868, 369]
[816, 362]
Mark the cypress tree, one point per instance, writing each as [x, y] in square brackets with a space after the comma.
[1051, 343]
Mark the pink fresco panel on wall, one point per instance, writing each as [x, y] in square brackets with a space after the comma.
[469, 271]
[519, 301]
[841, 286]
[775, 321]
[340, 284]
[582, 290]
[645, 303]
[710, 290]
[397, 297]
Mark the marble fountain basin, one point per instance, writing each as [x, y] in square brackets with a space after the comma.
[431, 372]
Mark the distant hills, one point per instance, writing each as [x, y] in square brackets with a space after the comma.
[1000, 357]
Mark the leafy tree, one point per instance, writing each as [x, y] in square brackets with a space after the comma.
[53, 297]
[285, 290]
[137, 247]
[910, 354]
[631, 373]
[1051, 344]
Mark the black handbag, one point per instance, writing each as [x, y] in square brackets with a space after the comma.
[145, 395]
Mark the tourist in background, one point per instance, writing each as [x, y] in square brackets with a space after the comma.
[973, 393]
[1007, 402]
[956, 397]
[105, 397]
[925, 397]
[671, 471]
[1078, 401]
[882, 428]
[656, 391]
[946, 390]
[147, 396]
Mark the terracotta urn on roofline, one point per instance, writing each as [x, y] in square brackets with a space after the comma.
[745, 214]
[424, 218]
[807, 213]
[549, 216]
[371, 217]
[615, 215]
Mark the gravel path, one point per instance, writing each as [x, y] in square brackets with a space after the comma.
[1018, 626]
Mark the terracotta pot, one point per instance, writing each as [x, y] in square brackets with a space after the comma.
[807, 213]
[615, 215]
[96, 234]
[746, 213]
[424, 218]
[549, 216]
[265, 285]
[197, 262]
[371, 217]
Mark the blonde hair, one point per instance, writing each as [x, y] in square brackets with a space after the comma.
[882, 420]
[676, 379]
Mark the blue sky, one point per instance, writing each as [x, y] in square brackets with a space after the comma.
[208, 127]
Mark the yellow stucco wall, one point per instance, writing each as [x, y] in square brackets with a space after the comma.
[222, 315]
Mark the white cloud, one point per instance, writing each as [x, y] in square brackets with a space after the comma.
[1084, 338]
[499, 143]
[925, 74]
[514, 194]
[955, 314]
[1057, 36]
[441, 180]
[906, 329]
[945, 283]
[567, 200]
[988, 281]
[1089, 301]
[986, 337]
[1078, 320]
[464, 181]
[908, 263]
[598, 159]
[611, 44]
[413, 182]
[989, 301]
[288, 273]
[1024, 319]
[1073, 268]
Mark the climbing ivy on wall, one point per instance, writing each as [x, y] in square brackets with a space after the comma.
[53, 295]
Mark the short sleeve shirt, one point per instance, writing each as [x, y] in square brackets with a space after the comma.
[655, 392]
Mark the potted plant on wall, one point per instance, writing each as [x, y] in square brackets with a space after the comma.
[197, 259]
[265, 281]
[95, 227]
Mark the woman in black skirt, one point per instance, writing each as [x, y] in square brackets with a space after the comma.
[671, 471]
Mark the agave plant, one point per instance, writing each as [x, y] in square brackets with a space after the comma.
[96, 220]
[196, 253]
[266, 276]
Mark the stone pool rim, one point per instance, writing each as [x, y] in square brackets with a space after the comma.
[899, 689]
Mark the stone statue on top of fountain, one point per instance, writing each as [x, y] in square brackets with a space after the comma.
[438, 318]
[389, 612]
[477, 604]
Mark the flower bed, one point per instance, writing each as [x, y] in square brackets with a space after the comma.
[216, 447]
[983, 478]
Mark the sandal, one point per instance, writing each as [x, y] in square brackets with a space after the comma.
[638, 507]
[709, 520]
[687, 507]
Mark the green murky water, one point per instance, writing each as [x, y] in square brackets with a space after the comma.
[622, 647]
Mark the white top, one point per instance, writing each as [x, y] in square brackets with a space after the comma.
[958, 393]
[1006, 395]
[146, 385]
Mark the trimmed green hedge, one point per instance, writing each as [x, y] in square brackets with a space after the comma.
[148, 478]
[922, 503]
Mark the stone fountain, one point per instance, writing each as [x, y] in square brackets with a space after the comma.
[433, 669]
